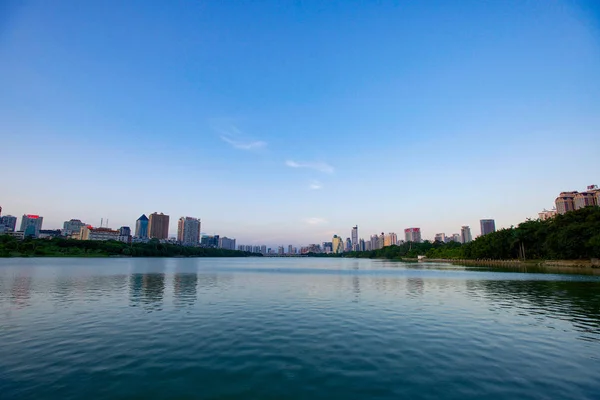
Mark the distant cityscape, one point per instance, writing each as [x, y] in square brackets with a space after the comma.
[155, 226]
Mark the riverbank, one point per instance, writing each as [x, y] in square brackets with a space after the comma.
[593, 263]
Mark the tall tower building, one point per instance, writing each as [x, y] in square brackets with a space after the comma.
[565, 202]
[412, 235]
[390, 239]
[337, 244]
[188, 231]
[141, 227]
[158, 226]
[31, 225]
[9, 222]
[465, 234]
[354, 236]
[290, 249]
[487, 226]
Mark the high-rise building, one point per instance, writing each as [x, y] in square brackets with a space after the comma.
[390, 239]
[440, 237]
[487, 226]
[465, 234]
[158, 226]
[280, 250]
[584, 199]
[412, 235]
[125, 234]
[361, 245]
[31, 225]
[348, 245]
[565, 202]
[354, 236]
[327, 247]
[188, 231]
[72, 227]
[263, 249]
[455, 238]
[141, 227]
[9, 222]
[337, 244]
[290, 249]
[227, 243]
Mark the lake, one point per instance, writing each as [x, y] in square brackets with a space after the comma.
[294, 328]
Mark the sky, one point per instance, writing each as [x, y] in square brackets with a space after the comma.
[285, 122]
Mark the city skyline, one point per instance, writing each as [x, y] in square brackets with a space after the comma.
[233, 109]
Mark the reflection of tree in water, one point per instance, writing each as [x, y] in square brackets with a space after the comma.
[574, 301]
[414, 286]
[184, 288]
[214, 281]
[147, 289]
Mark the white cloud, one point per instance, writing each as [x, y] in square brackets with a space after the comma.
[319, 166]
[255, 145]
[315, 221]
[315, 185]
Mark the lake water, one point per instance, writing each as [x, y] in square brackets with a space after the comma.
[298, 328]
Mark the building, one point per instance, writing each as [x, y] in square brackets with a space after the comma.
[48, 233]
[362, 245]
[188, 231]
[390, 239]
[141, 227]
[412, 235]
[454, 238]
[327, 247]
[545, 214]
[72, 227]
[565, 202]
[354, 236]
[227, 243]
[263, 249]
[91, 233]
[210, 241]
[290, 249]
[348, 246]
[9, 222]
[440, 237]
[158, 226]
[124, 234]
[31, 225]
[465, 234]
[487, 226]
[337, 244]
[585, 199]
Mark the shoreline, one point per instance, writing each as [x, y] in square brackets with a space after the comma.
[591, 264]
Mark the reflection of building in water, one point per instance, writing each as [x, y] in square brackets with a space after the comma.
[415, 286]
[184, 288]
[21, 291]
[356, 287]
[147, 289]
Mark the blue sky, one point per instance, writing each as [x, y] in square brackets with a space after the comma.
[286, 122]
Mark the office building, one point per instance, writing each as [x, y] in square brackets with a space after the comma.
[48, 233]
[440, 237]
[337, 244]
[141, 227]
[390, 239]
[585, 199]
[227, 243]
[412, 235]
[348, 246]
[91, 233]
[565, 202]
[72, 227]
[465, 234]
[327, 247]
[31, 225]
[361, 245]
[124, 234]
[158, 226]
[210, 241]
[188, 231]
[9, 222]
[487, 226]
[454, 238]
[280, 250]
[290, 249]
[354, 236]
[263, 249]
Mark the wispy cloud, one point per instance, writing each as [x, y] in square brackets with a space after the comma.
[315, 185]
[238, 144]
[319, 166]
[315, 221]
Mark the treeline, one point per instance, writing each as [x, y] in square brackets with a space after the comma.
[574, 235]
[59, 247]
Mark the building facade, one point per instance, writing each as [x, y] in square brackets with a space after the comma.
[141, 227]
[487, 226]
[210, 241]
[188, 231]
[337, 244]
[412, 235]
[390, 239]
[354, 236]
[91, 233]
[584, 199]
[158, 226]
[31, 225]
[227, 243]
[544, 215]
[465, 234]
[9, 222]
[72, 227]
[440, 237]
[565, 202]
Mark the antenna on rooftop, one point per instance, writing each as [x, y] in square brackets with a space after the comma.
[101, 222]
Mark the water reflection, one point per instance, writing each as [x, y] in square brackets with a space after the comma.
[21, 290]
[415, 286]
[147, 284]
[184, 289]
